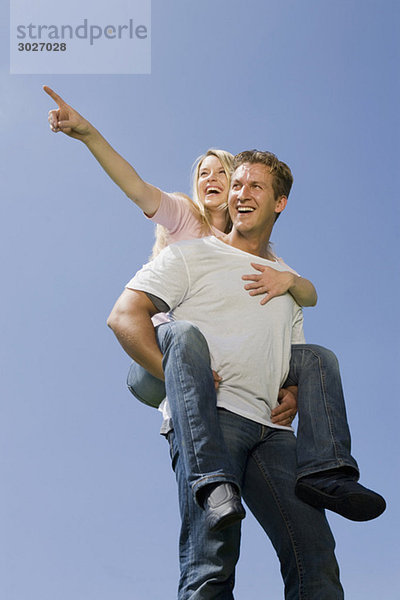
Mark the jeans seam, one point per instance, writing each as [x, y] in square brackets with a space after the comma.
[322, 378]
[300, 570]
[326, 404]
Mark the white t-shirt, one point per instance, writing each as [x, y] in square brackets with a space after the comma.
[200, 280]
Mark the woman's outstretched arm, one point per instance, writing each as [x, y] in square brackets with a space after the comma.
[69, 121]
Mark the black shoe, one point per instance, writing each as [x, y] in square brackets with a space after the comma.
[342, 494]
[223, 507]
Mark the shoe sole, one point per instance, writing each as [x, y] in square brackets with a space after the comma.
[353, 506]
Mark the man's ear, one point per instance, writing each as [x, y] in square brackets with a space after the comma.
[280, 204]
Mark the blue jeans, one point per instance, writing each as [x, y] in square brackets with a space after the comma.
[323, 437]
[265, 465]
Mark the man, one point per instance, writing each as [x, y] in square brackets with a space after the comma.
[250, 349]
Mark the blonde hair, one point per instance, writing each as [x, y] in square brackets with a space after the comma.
[162, 235]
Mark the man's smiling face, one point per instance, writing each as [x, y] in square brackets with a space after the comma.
[252, 202]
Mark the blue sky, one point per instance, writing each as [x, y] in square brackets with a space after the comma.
[88, 509]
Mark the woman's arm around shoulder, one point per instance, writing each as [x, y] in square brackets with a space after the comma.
[272, 283]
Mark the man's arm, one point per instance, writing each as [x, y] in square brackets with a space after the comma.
[70, 122]
[130, 320]
[276, 283]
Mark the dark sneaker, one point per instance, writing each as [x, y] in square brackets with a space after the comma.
[342, 494]
[223, 507]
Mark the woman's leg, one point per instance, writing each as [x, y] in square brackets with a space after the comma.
[323, 435]
[192, 399]
[327, 474]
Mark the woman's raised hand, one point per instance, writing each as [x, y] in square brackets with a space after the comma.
[66, 119]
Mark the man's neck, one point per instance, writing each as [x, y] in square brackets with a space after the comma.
[253, 244]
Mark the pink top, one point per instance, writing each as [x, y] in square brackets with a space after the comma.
[174, 214]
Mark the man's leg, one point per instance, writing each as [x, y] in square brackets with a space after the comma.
[191, 395]
[299, 533]
[207, 559]
[327, 473]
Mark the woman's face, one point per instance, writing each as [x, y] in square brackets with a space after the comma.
[212, 183]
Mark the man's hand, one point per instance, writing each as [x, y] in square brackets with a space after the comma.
[217, 379]
[287, 409]
[66, 119]
[270, 282]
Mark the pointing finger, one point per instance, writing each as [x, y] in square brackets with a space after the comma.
[55, 96]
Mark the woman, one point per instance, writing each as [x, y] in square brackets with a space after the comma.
[205, 215]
